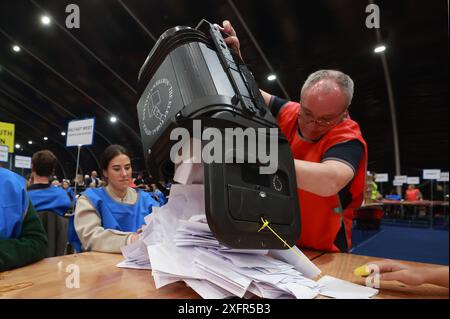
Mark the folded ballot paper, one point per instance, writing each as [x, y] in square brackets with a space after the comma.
[177, 244]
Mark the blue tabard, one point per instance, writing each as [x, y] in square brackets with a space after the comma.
[115, 215]
[161, 198]
[13, 204]
[54, 199]
[71, 193]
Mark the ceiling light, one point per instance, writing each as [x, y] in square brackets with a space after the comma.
[379, 49]
[16, 48]
[17, 146]
[272, 77]
[45, 20]
[30, 142]
[63, 133]
[45, 138]
[113, 119]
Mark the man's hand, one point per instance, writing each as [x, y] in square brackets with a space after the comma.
[231, 40]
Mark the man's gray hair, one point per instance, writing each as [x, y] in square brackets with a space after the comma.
[342, 79]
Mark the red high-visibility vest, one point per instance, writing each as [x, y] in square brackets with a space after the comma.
[321, 217]
[412, 194]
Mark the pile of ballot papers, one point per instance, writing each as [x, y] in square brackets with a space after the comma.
[177, 244]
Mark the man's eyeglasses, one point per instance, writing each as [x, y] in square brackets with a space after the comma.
[307, 117]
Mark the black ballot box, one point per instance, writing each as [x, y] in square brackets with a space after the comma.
[192, 80]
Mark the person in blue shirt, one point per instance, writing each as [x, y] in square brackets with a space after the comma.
[22, 237]
[43, 195]
[66, 186]
[393, 195]
[108, 218]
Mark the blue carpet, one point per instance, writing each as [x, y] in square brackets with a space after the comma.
[360, 236]
[406, 243]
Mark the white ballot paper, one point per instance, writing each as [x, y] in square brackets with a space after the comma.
[177, 244]
[341, 289]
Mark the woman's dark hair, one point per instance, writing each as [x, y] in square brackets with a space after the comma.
[109, 153]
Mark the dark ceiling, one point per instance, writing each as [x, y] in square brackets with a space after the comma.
[63, 74]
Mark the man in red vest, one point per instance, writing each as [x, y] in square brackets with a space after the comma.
[329, 151]
[413, 194]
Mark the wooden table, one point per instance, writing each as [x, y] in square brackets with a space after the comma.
[100, 278]
[394, 210]
[414, 203]
[341, 265]
[312, 254]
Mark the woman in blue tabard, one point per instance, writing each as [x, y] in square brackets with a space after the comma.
[108, 218]
[66, 186]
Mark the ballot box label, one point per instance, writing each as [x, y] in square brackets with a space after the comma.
[157, 104]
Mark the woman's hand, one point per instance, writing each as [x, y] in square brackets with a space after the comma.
[134, 237]
[412, 275]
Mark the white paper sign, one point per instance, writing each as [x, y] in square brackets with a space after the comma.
[401, 178]
[431, 173]
[381, 177]
[413, 180]
[3, 153]
[22, 161]
[444, 177]
[397, 182]
[80, 132]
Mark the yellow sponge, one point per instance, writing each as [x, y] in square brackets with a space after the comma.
[362, 271]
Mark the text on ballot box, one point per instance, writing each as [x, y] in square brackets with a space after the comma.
[444, 177]
[80, 132]
[3, 153]
[401, 179]
[413, 180]
[431, 173]
[22, 161]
